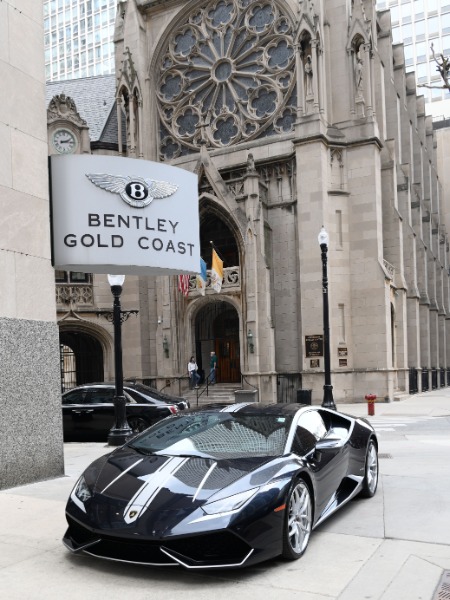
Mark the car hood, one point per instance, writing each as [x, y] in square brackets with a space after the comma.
[159, 496]
[161, 481]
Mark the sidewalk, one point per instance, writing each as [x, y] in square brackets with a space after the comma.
[392, 547]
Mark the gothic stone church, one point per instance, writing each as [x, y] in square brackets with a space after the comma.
[294, 115]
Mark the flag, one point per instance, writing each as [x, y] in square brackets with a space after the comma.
[201, 277]
[183, 284]
[216, 272]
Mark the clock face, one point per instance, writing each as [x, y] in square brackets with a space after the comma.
[64, 141]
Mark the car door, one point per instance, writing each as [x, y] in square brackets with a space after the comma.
[326, 458]
[99, 412]
[73, 405]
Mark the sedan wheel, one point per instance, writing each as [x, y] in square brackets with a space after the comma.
[137, 424]
[370, 482]
[298, 523]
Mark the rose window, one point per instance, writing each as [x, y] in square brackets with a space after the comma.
[226, 76]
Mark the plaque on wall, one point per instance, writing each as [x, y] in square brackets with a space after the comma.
[314, 363]
[342, 362]
[313, 345]
[342, 352]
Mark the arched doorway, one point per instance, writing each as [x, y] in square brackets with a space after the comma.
[81, 359]
[217, 329]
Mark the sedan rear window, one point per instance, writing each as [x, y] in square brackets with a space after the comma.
[216, 435]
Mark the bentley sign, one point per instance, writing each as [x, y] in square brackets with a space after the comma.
[122, 215]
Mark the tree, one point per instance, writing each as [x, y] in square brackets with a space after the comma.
[443, 66]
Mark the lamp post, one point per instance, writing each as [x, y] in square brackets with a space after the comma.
[121, 429]
[328, 401]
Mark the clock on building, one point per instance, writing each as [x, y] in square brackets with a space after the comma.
[64, 141]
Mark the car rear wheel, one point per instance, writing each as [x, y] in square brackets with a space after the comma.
[137, 424]
[370, 482]
[298, 521]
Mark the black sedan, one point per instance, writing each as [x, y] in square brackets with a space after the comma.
[88, 412]
[222, 488]
[135, 388]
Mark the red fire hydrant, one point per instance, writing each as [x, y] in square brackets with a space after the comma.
[370, 404]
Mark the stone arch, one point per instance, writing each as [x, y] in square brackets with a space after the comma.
[210, 205]
[92, 348]
[216, 324]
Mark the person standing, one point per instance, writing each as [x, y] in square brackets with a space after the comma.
[194, 377]
[213, 368]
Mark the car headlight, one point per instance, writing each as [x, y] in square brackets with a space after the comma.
[81, 493]
[229, 505]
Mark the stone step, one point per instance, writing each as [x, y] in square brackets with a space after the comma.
[219, 393]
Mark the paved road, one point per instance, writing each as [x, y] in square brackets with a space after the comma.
[395, 546]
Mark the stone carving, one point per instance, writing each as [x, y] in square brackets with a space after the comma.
[359, 67]
[63, 107]
[309, 76]
[231, 68]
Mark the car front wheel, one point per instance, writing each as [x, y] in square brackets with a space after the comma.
[370, 482]
[298, 521]
[137, 424]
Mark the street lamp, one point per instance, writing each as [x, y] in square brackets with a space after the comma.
[121, 429]
[328, 401]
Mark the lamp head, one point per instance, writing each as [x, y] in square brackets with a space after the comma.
[116, 280]
[323, 237]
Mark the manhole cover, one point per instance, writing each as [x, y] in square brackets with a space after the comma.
[381, 455]
[443, 589]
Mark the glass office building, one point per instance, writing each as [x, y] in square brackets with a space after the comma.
[78, 38]
[418, 24]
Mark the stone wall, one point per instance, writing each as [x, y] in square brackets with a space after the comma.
[30, 401]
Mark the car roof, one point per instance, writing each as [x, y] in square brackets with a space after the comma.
[254, 408]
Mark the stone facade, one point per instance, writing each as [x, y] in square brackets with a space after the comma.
[31, 443]
[294, 116]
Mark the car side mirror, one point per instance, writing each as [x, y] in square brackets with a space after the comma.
[328, 443]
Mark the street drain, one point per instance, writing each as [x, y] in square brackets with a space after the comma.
[381, 455]
[443, 589]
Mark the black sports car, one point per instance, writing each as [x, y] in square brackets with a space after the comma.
[220, 488]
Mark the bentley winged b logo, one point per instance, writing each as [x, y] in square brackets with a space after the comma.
[135, 191]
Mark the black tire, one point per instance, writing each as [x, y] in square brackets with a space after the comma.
[137, 424]
[297, 524]
[370, 482]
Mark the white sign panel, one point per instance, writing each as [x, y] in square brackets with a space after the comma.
[122, 215]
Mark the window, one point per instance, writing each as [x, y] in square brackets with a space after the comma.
[313, 422]
[421, 51]
[433, 25]
[445, 23]
[420, 28]
[75, 397]
[396, 35]
[418, 6]
[304, 441]
[101, 396]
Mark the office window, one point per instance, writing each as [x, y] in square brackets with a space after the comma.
[396, 35]
[446, 44]
[433, 25]
[421, 51]
[445, 20]
[395, 14]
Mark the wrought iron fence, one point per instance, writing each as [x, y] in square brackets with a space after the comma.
[425, 383]
[434, 379]
[413, 381]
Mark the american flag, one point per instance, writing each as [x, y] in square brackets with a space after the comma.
[183, 284]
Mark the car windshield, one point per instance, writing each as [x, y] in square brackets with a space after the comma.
[216, 435]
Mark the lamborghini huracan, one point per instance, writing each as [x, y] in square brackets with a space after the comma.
[224, 487]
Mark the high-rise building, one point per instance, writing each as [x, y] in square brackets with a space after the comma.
[78, 38]
[418, 24]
